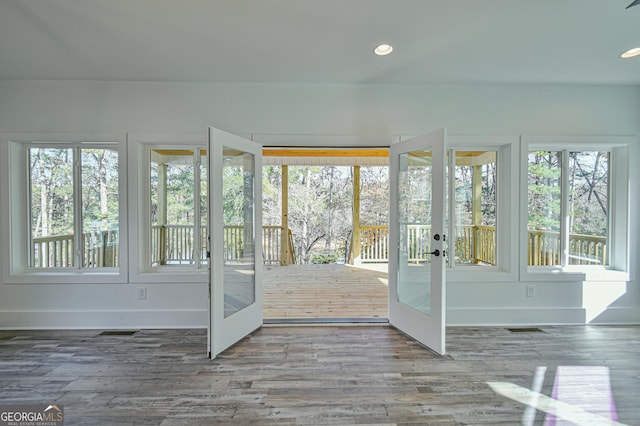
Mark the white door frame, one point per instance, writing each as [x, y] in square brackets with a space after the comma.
[428, 329]
[223, 331]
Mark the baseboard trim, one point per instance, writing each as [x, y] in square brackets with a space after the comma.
[103, 319]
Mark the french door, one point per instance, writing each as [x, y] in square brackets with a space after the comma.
[417, 242]
[235, 239]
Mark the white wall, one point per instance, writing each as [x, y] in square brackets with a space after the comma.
[372, 112]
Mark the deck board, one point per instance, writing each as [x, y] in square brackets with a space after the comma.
[324, 291]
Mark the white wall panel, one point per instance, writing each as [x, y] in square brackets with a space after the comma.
[370, 112]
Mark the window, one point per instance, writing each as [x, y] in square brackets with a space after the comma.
[74, 207]
[482, 201]
[576, 205]
[475, 189]
[177, 207]
[63, 207]
[575, 185]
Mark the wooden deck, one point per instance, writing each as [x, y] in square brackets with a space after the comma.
[325, 291]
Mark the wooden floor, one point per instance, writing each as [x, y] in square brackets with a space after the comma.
[325, 291]
[318, 375]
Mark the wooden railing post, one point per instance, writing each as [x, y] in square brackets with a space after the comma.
[356, 248]
[285, 251]
[162, 245]
[292, 250]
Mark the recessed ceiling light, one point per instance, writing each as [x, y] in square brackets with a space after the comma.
[383, 49]
[631, 53]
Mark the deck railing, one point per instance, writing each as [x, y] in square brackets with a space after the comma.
[99, 249]
[476, 244]
[177, 241]
[54, 251]
[374, 243]
[272, 245]
[174, 244]
[544, 249]
[170, 245]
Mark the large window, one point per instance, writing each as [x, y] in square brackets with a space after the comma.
[74, 206]
[568, 207]
[575, 206]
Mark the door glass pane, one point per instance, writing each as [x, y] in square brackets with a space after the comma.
[238, 176]
[588, 207]
[414, 228]
[544, 196]
[172, 183]
[52, 205]
[475, 207]
[100, 208]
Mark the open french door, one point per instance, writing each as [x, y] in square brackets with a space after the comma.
[417, 240]
[235, 239]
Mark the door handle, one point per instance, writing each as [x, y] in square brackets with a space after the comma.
[436, 252]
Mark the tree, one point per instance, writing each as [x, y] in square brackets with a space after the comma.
[589, 184]
[588, 191]
[320, 206]
[544, 190]
[51, 191]
[374, 195]
[271, 195]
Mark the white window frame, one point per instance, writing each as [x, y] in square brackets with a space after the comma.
[15, 226]
[507, 149]
[618, 238]
[140, 269]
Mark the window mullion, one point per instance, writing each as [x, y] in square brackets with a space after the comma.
[197, 244]
[29, 199]
[611, 223]
[77, 207]
[564, 209]
[450, 259]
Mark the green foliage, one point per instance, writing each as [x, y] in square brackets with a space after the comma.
[322, 259]
[320, 207]
[374, 195]
[544, 190]
[100, 199]
[236, 191]
[271, 197]
[180, 194]
[587, 194]
[52, 190]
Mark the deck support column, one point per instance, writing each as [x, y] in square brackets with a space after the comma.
[354, 259]
[284, 232]
[249, 169]
[476, 207]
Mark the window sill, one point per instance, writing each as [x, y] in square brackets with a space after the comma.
[479, 273]
[171, 275]
[599, 273]
[573, 273]
[112, 276]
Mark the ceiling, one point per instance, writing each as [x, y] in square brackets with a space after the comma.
[321, 41]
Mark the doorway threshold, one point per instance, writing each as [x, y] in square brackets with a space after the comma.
[326, 321]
